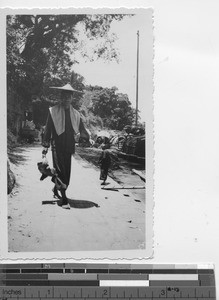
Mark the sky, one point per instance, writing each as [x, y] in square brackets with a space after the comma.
[122, 74]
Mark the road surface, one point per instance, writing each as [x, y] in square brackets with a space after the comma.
[97, 220]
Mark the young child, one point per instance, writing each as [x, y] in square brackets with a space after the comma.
[104, 162]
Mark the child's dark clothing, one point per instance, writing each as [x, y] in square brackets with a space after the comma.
[104, 162]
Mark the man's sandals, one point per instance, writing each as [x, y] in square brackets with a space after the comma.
[66, 206]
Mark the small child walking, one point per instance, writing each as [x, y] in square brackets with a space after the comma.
[104, 162]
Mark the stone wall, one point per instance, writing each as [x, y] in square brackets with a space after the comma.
[11, 178]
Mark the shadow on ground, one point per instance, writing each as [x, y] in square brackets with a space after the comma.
[52, 202]
[16, 156]
[73, 203]
[82, 203]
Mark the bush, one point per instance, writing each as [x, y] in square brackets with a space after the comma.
[11, 140]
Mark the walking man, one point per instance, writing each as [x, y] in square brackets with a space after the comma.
[63, 124]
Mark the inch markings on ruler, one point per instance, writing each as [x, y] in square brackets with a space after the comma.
[106, 281]
[107, 292]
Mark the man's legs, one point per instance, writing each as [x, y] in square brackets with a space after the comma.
[62, 164]
[56, 193]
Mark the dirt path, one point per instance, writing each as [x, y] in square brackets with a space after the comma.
[98, 219]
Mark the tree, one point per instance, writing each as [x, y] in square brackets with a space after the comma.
[42, 45]
[40, 50]
[114, 108]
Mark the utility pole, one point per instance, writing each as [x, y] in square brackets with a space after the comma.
[136, 118]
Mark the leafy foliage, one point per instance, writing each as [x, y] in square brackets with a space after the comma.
[41, 47]
[41, 52]
[114, 108]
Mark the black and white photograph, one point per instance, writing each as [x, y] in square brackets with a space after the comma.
[162, 57]
[79, 113]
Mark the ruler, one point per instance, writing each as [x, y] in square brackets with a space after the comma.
[107, 281]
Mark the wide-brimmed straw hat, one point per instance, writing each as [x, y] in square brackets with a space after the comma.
[66, 87]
